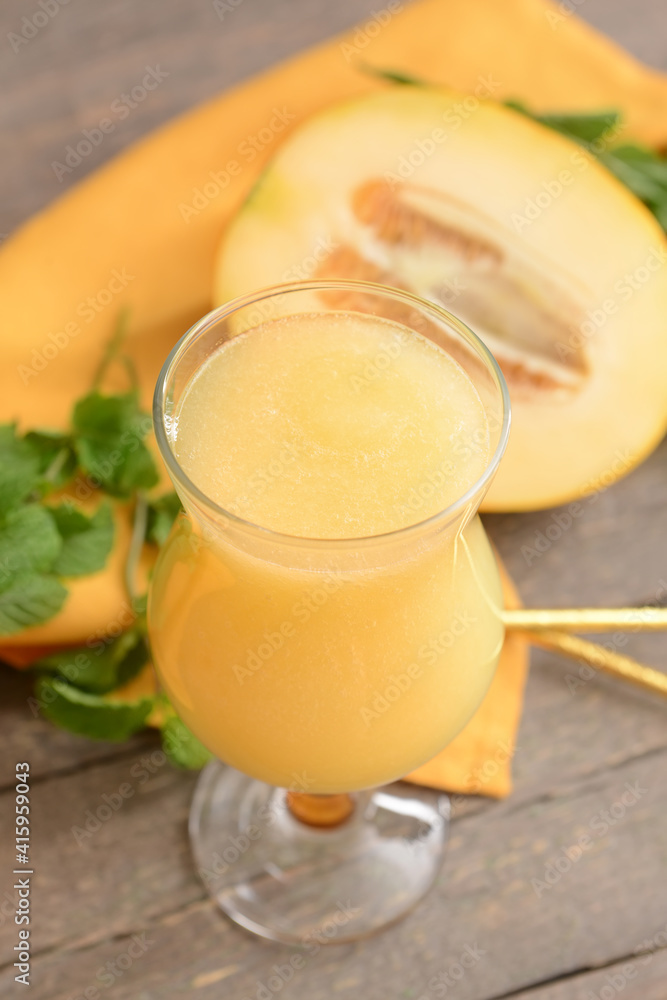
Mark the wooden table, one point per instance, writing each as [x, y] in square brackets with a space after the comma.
[130, 889]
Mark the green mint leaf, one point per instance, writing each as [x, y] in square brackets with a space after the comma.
[99, 668]
[29, 541]
[89, 714]
[57, 459]
[109, 442]
[105, 418]
[112, 350]
[161, 515]
[635, 177]
[640, 169]
[140, 471]
[181, 746]
[87, 541]
[650, 163]
[29, 599]
[29, 545]
[140, 605]
[392, 76]
[583, 128]
[19, 467]
[639, 154]
[660, 212]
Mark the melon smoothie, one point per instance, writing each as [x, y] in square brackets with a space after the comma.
[317, 621]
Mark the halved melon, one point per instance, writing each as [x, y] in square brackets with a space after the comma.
[508, 225]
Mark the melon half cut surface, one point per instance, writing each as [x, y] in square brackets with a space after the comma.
[509, 226]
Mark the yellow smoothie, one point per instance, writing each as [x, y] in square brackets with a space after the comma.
[328, 665]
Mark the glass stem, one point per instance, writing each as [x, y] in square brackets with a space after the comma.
[320, 810]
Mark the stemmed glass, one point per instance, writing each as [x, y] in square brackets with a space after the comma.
[393, 640]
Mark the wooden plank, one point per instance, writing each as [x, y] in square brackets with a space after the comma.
[25, 735]
[67, 77]
[578, 743]
[598, 910]
[641, 977]
[112, 838]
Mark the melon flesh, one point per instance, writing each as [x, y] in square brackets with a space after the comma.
[511, 227]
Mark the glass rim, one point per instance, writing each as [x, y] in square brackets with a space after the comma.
[213, 317]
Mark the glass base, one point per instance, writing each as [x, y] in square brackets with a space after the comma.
[311, 885]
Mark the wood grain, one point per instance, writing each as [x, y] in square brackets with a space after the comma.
[485, 899]
[582, 739]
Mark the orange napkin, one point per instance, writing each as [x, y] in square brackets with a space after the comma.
[478, 761]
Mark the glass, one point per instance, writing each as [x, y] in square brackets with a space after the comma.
[395, 637]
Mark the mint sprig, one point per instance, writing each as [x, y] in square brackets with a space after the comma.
[180, 745]
[72, 688]
[90, 715]
[639, 168]
[29, 547]
[19, 467]
[45, 536]
[86, 541]
[102, 667]
[161, 515]
[28, 599]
